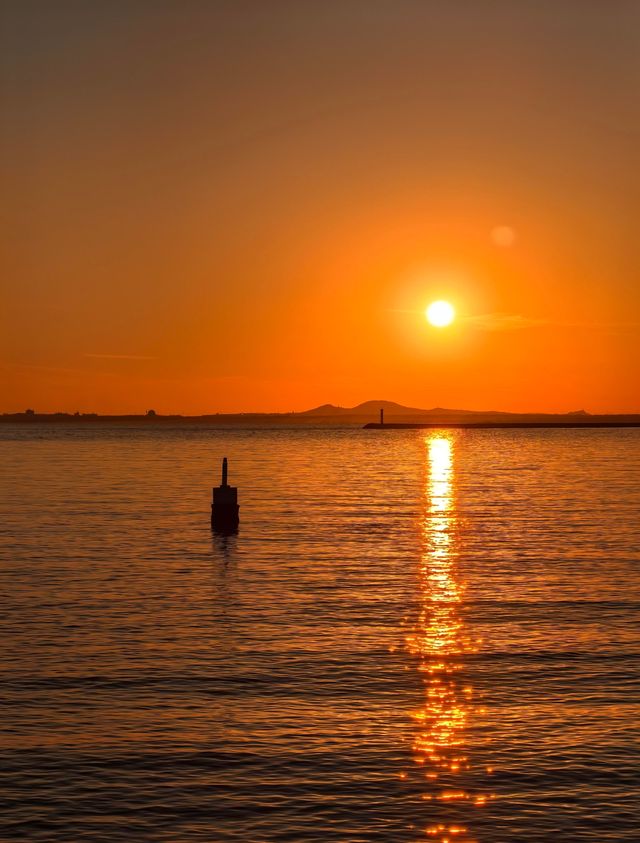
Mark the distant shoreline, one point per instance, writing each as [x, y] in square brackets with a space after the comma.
[218, 419]
[400, 421]
[221, 420]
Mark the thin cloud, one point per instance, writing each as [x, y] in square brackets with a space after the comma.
[503, 321]
[516, 322]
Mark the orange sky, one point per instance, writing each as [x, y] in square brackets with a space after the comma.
[247, 206]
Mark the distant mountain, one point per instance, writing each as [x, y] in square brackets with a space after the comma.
[391, 408]
[362, 415]
[394, 413]
[372, 408]
[325, 410]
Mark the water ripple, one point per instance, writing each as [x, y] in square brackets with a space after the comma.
[415, 636]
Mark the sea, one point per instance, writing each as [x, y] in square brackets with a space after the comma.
[414, 635]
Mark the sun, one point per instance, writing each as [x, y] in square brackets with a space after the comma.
[440, 313]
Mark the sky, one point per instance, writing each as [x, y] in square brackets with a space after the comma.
[247, 205]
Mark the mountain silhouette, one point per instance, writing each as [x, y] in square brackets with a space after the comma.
[391, 408]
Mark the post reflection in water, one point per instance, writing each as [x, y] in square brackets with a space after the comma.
[439, 640]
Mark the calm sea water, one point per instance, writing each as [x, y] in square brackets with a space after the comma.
[413, 636]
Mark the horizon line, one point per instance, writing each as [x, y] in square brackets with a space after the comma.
[332, 411]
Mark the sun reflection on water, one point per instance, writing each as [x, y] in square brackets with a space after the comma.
[439, 640]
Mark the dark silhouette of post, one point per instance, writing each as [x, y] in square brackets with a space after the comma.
[381, 416]
[225, 509]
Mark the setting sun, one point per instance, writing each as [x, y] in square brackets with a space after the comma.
[440, 313]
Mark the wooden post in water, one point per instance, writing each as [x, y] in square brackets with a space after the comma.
[225, 509]
[381, 417]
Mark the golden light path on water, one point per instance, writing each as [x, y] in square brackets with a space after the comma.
[439, 640]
